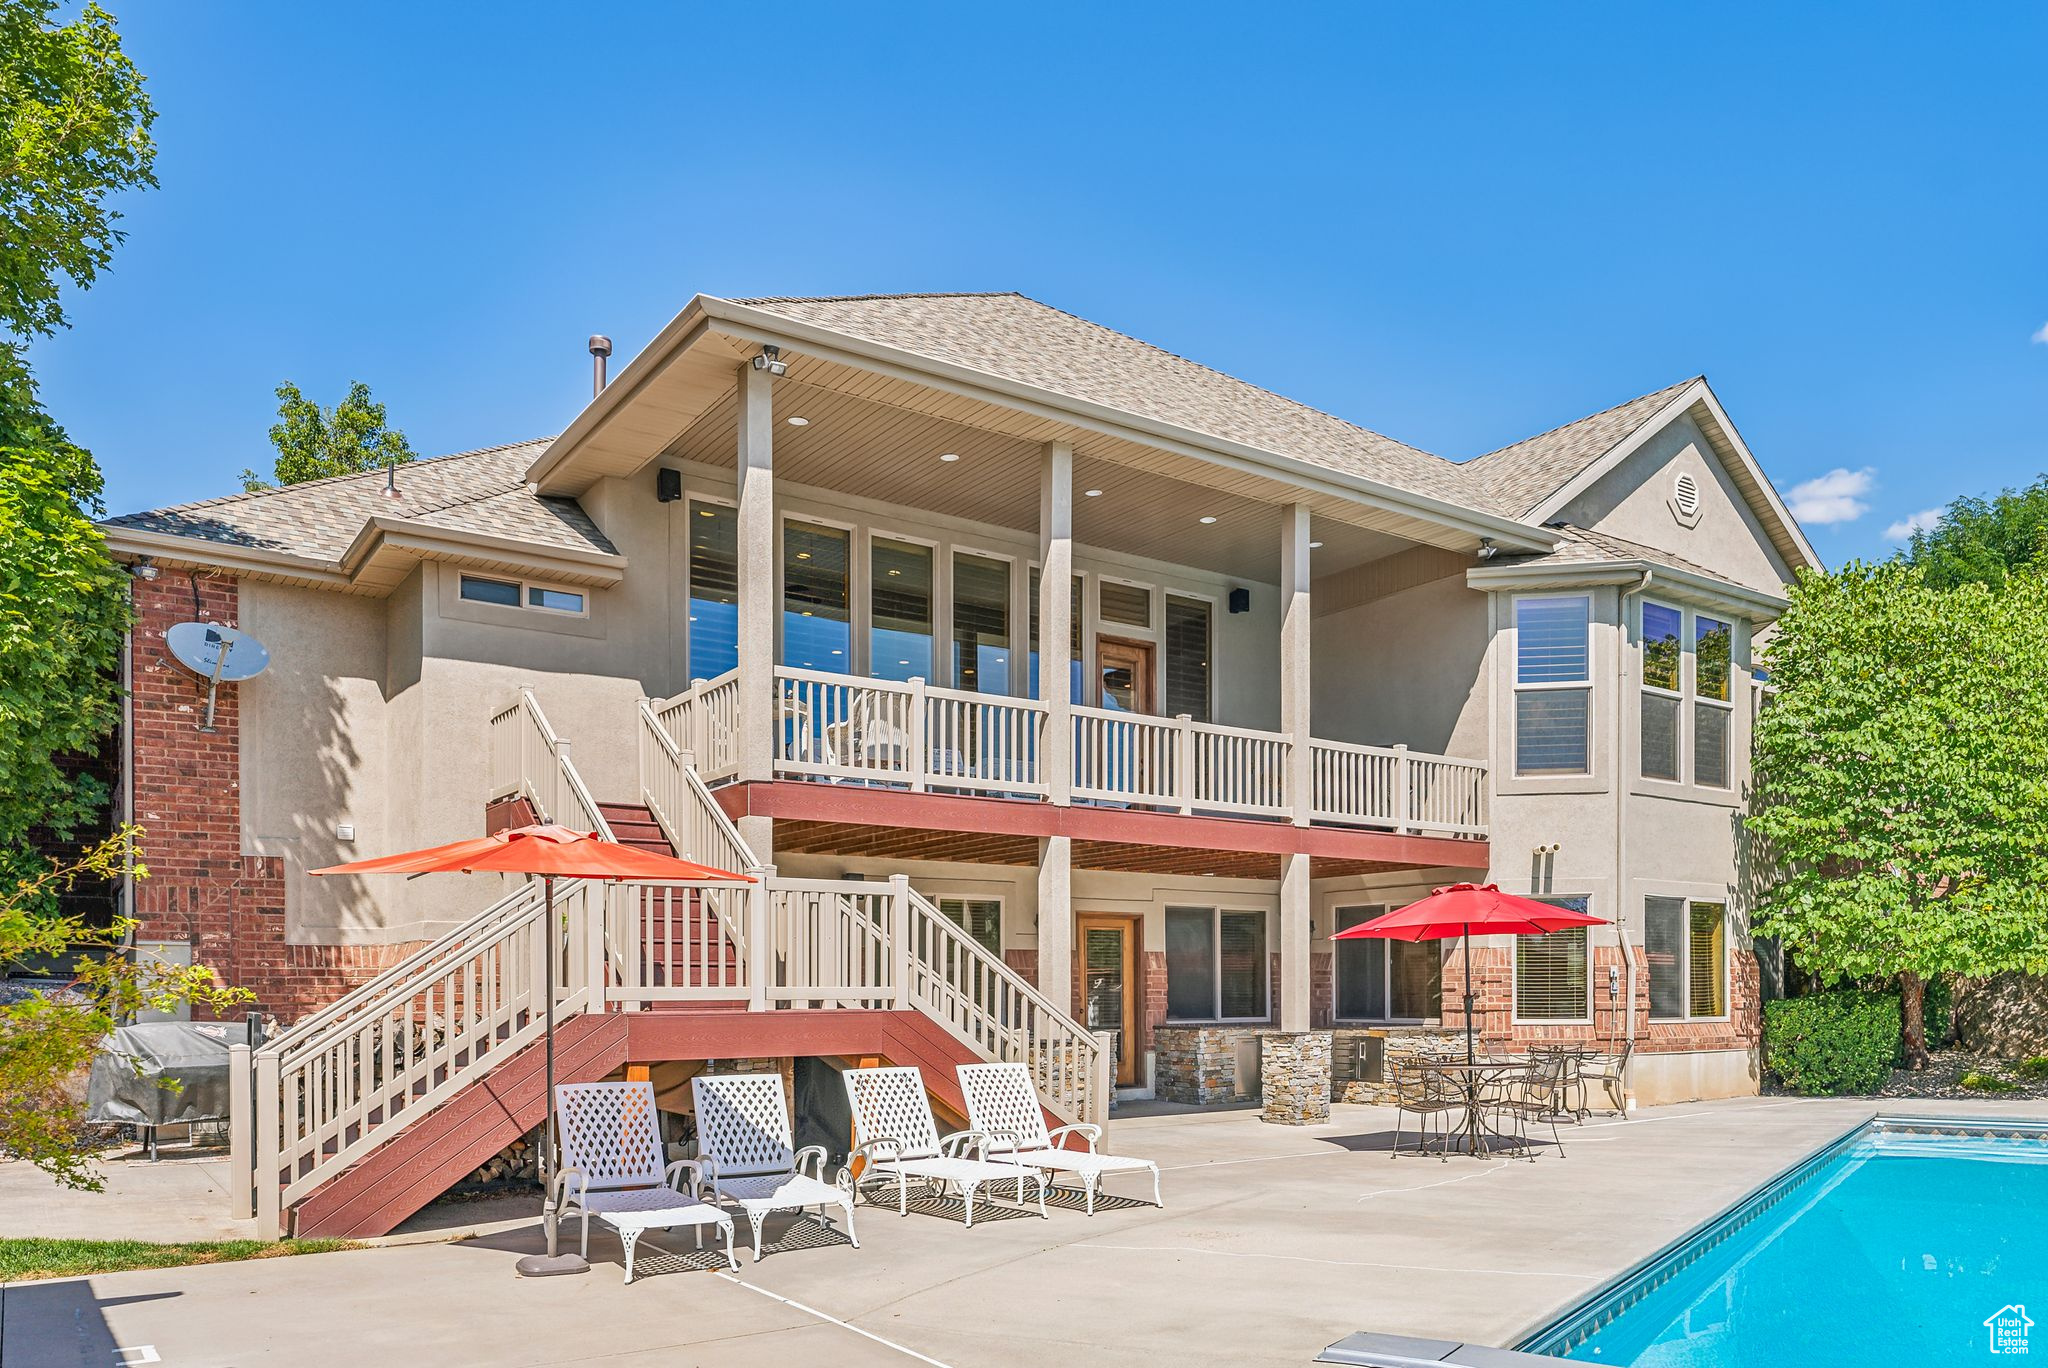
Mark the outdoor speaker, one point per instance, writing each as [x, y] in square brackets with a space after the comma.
[1240, 600]
[668, 485]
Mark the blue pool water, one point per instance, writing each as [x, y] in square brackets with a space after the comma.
[1892, 1247]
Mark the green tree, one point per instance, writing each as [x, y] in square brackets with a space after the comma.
[74, 131]
[314, 442]
[47, 1040]
[1902, 780]
[1980, 541]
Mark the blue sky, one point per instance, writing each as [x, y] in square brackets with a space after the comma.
[1455, 224]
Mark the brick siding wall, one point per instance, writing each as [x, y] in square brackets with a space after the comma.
[1493, 985]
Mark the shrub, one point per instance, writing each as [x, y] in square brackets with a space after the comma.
[1832, 1043]
[1984, 1082]
[2036, 1067]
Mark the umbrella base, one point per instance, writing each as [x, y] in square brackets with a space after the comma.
[551, 1265]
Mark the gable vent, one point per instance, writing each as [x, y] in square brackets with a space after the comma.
[1685, 493]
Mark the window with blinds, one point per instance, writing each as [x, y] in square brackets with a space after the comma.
[1187, 657]
[1553, 684]
[1663, 640]
[900, 597]
[981, 623]
[1074, 673]
[1216, 964]
[1686, 946]
[1361, 969]
[981, 918]
[817, 628]
[1712, 712]
[714, 638]
[1551, 979]
[1128, 605]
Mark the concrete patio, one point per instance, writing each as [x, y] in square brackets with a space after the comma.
[1275, 1242]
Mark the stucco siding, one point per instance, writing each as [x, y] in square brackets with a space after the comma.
[1406, 669]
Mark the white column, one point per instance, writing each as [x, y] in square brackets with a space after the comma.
[1294, 942]
[1294, 657]
[757, 552]
[1056, 619]
[1056, 920]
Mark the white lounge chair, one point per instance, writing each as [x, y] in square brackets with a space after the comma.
[743, 1141]
[895, 1136]
[1002, 1105]
[612, 1169]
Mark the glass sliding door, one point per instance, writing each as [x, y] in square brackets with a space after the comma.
[900, 602]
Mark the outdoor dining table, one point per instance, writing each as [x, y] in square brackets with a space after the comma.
[1472, 1080]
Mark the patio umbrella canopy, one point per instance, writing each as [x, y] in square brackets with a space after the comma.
[1460, 910]
[548, 852]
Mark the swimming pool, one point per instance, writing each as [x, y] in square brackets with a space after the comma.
[1892, 1245]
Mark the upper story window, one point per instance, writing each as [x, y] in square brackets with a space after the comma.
[901, 594]
[1127, 605]
[1187, 657]
[520, 593]
[817, 628]
[1074, 671]
[1553, 684]
[981, 623]
[1670, 679]
[714, 590]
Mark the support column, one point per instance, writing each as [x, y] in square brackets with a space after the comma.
[1056, 620]
[758, 540]
[1294, 943]
[1056, 920]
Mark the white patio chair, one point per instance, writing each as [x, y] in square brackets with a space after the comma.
[743, 1141]
[895, 1135]
[612, 1169]
[1002, 1104]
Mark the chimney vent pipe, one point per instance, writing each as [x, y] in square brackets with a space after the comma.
[600, 348]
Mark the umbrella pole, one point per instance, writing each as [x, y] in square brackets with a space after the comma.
[547, 1134]
[1470, 1054]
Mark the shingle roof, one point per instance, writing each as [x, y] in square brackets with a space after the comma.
[477, 491]
[1019, 339]
[1516, 479]
[1585, 546]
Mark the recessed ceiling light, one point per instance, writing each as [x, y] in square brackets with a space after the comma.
[799, 422]
[1207, 519]
[837, 651]
[1315, 546]
[707, 513]
[803, 555]
[1092, 493]
[950, 456]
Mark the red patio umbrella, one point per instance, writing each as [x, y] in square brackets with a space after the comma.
[1460, 909]
[550, 852]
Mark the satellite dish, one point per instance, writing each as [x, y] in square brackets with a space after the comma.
[217, 654]
[221, 654]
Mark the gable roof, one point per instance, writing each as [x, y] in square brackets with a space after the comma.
[1016, 338]
[1519, 477]
[481, 492]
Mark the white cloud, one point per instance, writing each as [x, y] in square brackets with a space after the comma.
[1904, 528]
[1836, 497]
[2042, 334]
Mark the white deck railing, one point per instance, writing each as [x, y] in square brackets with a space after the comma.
[529, 760]
[843, 729]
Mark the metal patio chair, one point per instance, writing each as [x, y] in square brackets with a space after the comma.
[612, 1168]
[743, 1140]
[1002, 1104]
[1421, 1094]
[896, 1138]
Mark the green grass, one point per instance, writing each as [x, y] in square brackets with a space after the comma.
[28, 1259]
[1984, 1082]
[2037, 1067]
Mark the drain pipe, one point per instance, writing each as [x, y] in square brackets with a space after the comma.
[1628, 954]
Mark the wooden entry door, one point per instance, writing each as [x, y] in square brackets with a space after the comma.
[1106, 949]
[1123, 674]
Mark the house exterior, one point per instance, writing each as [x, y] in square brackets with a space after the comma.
[1299, 673]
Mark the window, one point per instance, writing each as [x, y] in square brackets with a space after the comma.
[1712, 709]
[817, 630]
[1663, 659]
[1128, 605]
[981, 623]
[1553, 684]
[899, 610]
[981, 918]
[510, 594]
[1686, 945]
[1216, 968]
[714, 590]
[1381, 980]
[501, 592]
[1187, 657]
[1074, 672]
[1551, 982]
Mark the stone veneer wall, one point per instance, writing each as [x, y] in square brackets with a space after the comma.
[202, 889]
[1198, 1064]
[1403, 1042]
[1294, 1067]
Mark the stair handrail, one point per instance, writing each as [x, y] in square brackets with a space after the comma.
[530, 758]
[665, 763]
